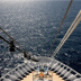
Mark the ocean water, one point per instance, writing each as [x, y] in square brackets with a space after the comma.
[34, 26]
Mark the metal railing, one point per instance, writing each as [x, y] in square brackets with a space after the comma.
[64, 71]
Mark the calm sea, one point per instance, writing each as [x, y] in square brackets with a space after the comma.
[34, 26]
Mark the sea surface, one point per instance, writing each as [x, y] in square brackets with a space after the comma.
[34, 26]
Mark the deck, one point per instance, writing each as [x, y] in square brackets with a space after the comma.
[55, 77]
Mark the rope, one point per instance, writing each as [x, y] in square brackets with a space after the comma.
[8, 42]
[60, 28]
[4, 39]
[63, 20]
[12, 39]
[18, 48]
[26, 55]
[67, 35]
[6, 33]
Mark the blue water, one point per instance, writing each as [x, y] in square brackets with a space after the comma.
[34, 26]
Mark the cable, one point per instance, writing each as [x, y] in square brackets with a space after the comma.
[12, 39]
[4, 39]
[8, 42]
[63, 20]
[61, 26]
[6, 33]
[12, 46]
[67, 35]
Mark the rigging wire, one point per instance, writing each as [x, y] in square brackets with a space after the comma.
[62, 23]
[68, 33]
[60, 28]
[13, 46]
[71, 29]
[63, 20]
[4, 39]
[10, 43]
[6, 33]
[12, 39]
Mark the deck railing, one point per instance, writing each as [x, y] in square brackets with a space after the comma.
[64, 71]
